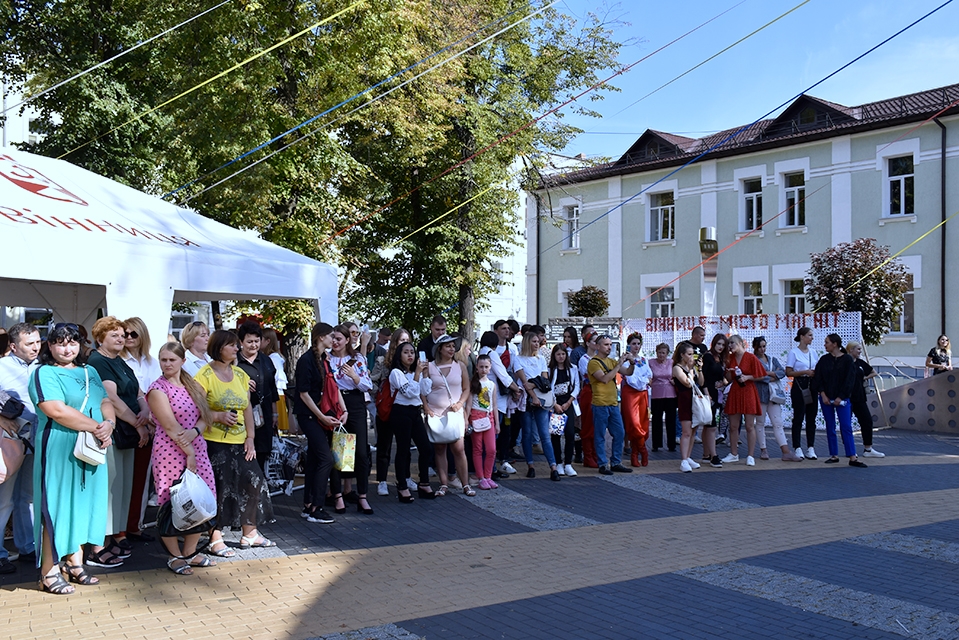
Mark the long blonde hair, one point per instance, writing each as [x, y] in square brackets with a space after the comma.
[136, 324]
[192, 386]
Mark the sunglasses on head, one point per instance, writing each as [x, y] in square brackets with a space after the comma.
[67, 325]
[197, 324]
[131, 334]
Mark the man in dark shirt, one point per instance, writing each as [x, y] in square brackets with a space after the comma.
[437, 328]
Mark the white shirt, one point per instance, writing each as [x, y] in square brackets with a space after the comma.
[281, 380]
[146, 372]
[15, 379]
[407, 389]
[192, 363]
[641, 375]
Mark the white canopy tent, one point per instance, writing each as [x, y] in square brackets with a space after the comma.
[76, 242]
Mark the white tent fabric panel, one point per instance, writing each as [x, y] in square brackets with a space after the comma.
[70, 236]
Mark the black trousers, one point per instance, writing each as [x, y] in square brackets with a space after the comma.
[802, 411]
[660, 407]
[507, 436]
[860, 409]
[384, 448]
[356, 424]
[407, 424]
[319, 460]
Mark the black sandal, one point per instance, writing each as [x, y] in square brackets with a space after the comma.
[79, 575]
[104, 558]
[59, 586]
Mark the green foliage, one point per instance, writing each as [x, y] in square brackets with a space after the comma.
[858, 276]
[348, 165]
[588, 302]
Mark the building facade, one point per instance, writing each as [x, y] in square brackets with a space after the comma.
[770, 194]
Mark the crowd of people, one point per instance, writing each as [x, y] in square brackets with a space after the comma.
[212, 402]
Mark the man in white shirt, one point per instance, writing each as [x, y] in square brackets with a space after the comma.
[16, 493]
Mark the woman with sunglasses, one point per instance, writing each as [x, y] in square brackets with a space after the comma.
[132, 432]
[70, 496]
[195, 337]
[939, 358]
[136, 354]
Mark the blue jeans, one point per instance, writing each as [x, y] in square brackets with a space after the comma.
[830, 412]
[16, 497]
[608, 418]
[536, 420]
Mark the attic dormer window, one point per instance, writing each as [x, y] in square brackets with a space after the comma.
[807, 117]
[652, 150]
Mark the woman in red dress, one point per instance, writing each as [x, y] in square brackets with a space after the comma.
[741, 369]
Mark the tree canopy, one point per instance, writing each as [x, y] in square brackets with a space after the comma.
[344, 166]
[858, 276]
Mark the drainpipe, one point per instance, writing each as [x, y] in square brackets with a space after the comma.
[942, 229]
[708, 248]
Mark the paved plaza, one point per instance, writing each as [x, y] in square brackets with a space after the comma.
[781, 550]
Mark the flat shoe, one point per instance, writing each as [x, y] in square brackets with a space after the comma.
[256, 542]
[204, 561]
[182, 570]
[763, 455]
[857, 463]
[832, 460]
[222, 552]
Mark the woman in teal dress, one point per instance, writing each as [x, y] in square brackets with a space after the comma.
[70, 496]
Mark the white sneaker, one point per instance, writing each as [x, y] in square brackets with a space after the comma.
[432, 472]
[811, 453]
[507, 468]
[560, 470]
[697, 440]
[678, 441]
[684, 466]
[381, 489]
[750, 461]
[570, 471]
[730, 458]
[411, 484]
[799, 453]
[692, 463]
[872, 453]
[455, 483]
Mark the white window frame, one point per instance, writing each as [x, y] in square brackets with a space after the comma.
[740, 177]
[897, 149]
[656, 216]
[753, 299]
[649, 282]
[652, 303]
[563, 289]
[794, 215]
[783, 169]
[571, 226]
[788, 295]
[902, 180]
[909, 304]
[752, 204]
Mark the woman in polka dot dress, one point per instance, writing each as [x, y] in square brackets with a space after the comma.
[179, 406]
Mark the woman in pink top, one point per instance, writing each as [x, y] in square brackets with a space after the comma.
[662, 398]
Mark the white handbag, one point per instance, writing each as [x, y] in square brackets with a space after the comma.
[702, 408]
[87, 447]
[449, 427]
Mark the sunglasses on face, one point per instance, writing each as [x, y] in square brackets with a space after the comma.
[131, 334]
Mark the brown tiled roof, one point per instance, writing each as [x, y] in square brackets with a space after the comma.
[754, 137]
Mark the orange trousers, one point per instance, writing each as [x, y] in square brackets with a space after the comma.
[635, 410]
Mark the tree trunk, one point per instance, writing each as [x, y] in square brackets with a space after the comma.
[467, 310]
[294, 346]
[217, 317]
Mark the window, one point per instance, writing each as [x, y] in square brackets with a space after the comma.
[661, 303]
[753, 190]
[571, 227]
[179, 321]
[752, 298]
[807, 116]
[901, 179]
[662, 214]
[795, 200]
[496, 271]
[905, 322]
[794, 296]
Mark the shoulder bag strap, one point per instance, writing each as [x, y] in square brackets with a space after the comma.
[86, 397]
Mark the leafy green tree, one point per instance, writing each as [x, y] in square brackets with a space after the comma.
[858, 276]
[588, 302]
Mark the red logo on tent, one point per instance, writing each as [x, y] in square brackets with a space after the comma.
[35, 182]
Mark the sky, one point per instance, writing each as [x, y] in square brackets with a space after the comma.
[765, 70]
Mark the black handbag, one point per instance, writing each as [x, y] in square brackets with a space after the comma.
[125, 436]
[541, 383]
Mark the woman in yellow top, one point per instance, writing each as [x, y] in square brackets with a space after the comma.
[242, 496]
